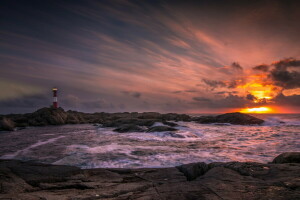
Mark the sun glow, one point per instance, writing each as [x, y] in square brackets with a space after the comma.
[257, 110]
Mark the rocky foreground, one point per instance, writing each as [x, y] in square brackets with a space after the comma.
[279, 180]
[122, 122]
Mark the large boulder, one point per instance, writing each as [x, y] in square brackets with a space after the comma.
[6, 124]
[289, 157]
[193, 170]
[232, 118]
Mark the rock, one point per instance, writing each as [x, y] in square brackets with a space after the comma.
[57, 116]
[193, 170]
[232, 118]
[172, 124]
[128, 128]
[48, 116]
[289, 157]
[205, 119]
[6, 124]
[233, 180]
[161, 129]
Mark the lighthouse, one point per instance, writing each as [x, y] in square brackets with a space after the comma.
[55, 104]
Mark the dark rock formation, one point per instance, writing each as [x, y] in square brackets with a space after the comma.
[172, 124]
[232, 118]
[57, 116]
[161, 129]
[6, 124]
[233, 180]
[193, 170]
[289, 157]
[128, 128]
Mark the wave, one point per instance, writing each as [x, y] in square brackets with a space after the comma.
[281, 121]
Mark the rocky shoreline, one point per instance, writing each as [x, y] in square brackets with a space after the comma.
[122, 122]
[279, 180]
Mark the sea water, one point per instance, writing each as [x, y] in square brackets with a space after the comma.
[88, 146]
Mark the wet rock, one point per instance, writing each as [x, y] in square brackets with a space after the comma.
[289, 157]
[172, 124]
[176, 117]
[57, 116]
[6, 124]
[233, 180]
[48, 116]
[232, 118]
[161, 129]
[205, 119]
[193, 170]
[128, 128]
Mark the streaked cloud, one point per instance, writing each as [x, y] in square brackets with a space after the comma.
[164, 56]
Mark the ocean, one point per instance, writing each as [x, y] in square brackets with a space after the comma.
[88, 146]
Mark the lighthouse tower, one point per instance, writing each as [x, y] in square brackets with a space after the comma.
[55, 104]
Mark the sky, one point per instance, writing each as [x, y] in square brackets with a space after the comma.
[154, 55]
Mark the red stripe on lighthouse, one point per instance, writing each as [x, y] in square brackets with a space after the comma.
[55, 104]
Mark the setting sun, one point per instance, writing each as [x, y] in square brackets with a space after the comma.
[257, 110]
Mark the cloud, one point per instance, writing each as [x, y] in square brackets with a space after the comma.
[213, 83]
[191, 91]
[132, 94]
[293, 100]
[285, 63]
[136, 94]
[149, 51]
[201, 99]
[251, 97]
[263, 68]
[284, 76]
[236, 66]
[229, 101]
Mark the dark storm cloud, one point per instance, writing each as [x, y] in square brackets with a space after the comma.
[286, 73]
[285, 63]
[263, 68]
[250, 97]
[221, 84]
[293, 100]
[236, 66]
[213, 83]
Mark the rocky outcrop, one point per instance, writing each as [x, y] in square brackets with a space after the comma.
[6, 124]
[228, 181]
[120, 121]
[289, 157]
[232, 118]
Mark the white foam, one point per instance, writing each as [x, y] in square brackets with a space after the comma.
[24, 151]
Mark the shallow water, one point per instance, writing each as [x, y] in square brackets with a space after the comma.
[87, 146]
